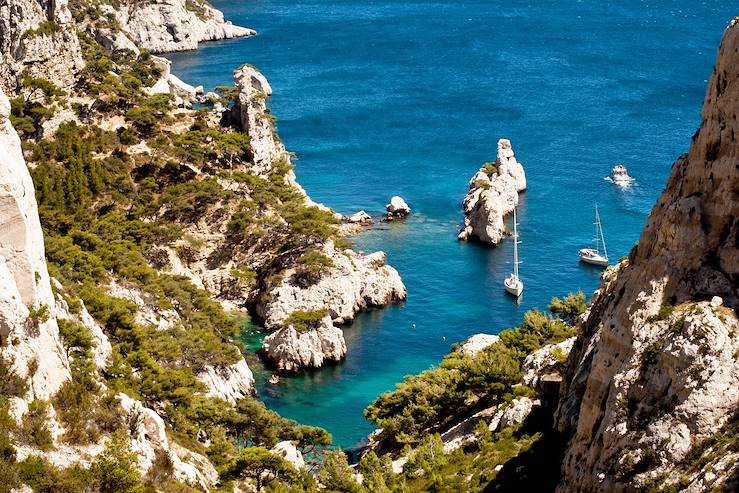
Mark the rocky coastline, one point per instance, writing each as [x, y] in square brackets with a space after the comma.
[493, 194]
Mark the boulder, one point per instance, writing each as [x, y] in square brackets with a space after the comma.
[397, 208]
[229, 383]
[360, 217]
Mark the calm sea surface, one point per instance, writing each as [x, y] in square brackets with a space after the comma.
[379, 98]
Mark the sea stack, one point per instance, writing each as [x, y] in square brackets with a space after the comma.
[493, 193]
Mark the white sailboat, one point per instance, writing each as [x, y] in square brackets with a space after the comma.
[593, 255]
[513, 283]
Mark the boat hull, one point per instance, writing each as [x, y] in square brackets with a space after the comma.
[593, 258]
[513, 288]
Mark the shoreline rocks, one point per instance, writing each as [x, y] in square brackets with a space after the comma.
[493, 194]
[354, 283]
[174, 25]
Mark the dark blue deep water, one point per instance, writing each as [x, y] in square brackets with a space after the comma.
[381, 97]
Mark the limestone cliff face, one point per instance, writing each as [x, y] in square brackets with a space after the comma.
[493, 194]
[254, 90]
[354, 283]
[174, 25]
[643, 389]
[37, 37]
[29, 335]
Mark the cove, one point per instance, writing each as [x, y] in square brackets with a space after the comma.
[379, 98]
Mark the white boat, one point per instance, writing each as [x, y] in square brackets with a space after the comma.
[620, 175]
[513, 284]
[593, 255]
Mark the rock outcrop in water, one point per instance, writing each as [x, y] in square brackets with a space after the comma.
[290, 350]
[493, 194]
[174, 25]
[650, 397]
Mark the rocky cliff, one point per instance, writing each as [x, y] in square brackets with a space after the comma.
[37, 38]
[29, 336]
[650, 395]
[493, 194]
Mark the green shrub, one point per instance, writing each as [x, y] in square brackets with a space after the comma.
[311, 267]
[304, 321]
[490, 169]
[570, 308]
[34, 429]
[11, 385]
[115, 470]
[664, 313]
[259, 465]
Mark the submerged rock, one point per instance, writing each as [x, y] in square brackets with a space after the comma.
[493, 194]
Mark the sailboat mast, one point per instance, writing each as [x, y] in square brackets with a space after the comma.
[597, 230]
[515, 245]
[600, 230]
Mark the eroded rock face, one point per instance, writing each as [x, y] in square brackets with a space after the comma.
[639, 391]
[229, 383]
[168, 25]
[356, 282]
[254, 116]
[51, 53]
[292, 351]
[28, 341]
[493, 194]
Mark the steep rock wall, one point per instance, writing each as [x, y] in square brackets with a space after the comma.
[29, 341]
[643, 388]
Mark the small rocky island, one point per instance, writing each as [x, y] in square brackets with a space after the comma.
[493, 194]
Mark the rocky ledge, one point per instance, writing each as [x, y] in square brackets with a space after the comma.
[355, 282]
[174, 25]
[493, 194]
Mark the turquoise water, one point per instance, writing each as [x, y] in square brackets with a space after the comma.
[384, 97]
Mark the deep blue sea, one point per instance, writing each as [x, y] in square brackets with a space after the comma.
[381, 97]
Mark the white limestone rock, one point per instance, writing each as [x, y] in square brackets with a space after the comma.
[149, 434]
[114, 41]
[24, 279]
[360, 217]
[397, 208]
[545, 361]
[356, 282]
[168, 25]
[477, 343]
[291, 351]
[254, 117]
[492, 196]
[229, 383]
[512, 414]
[56, 56]
[290, 453]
